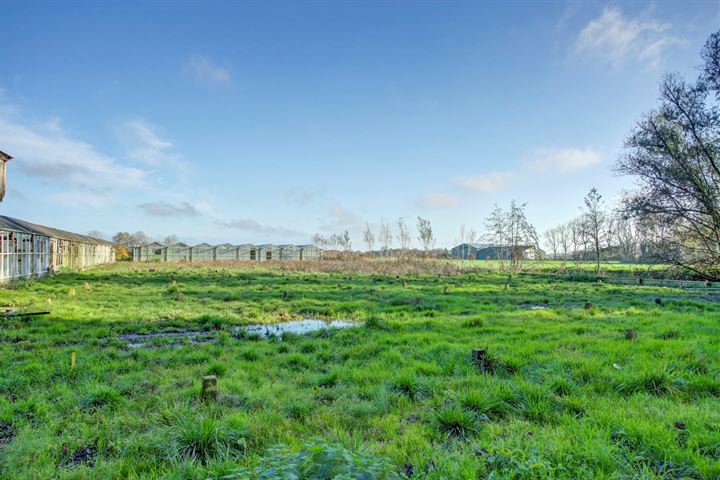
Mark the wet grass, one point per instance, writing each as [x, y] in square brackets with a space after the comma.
[569, 395]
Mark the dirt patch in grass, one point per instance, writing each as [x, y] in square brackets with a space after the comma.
[6, 433]
[83, 456]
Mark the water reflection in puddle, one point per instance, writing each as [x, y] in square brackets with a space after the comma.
[297, 327]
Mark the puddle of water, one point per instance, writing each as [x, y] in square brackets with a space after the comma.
[136, 340]
[298, 327]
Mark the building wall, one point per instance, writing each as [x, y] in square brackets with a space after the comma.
[203, 253]
[226, 253]
[28, 255]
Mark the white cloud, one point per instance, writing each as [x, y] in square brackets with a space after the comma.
[542, 161]
[340, 218]
[563, 160]
[487, 183]
[165, 209]
[302, 196]
[614, 38]
[49, 153]
[84, 198]
[438, 200]
[205, 70]
[253, 226]
[144, 145]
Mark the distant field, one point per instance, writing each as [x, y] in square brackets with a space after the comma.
[582, 379]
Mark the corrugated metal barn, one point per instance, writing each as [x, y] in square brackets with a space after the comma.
[481, 251]
[30, 250]
[204, 252]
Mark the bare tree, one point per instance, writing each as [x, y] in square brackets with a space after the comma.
[511, 234]
[139, 239]
[96, 234]
[495, 234]
[565, 239]
[319, 241]
[170, 240]
[403, 235]
[469, 236]
[595, 224]
[579, 239]
[369, 237]
[552, 237]
[673, 155]
[425, 234]
[346, 243]
[385, 237]
[625, 236]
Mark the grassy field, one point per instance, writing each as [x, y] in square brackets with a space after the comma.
[582, 379]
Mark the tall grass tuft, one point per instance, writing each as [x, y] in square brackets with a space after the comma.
[484, 403]
[455, 422]
[202, 439]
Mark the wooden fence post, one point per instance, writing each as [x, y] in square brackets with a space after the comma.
[209, 388]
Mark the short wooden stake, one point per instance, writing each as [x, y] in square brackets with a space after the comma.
[72, 360]
[481, 360]
[209, 388]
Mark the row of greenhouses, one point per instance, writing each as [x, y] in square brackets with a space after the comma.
[181, 252]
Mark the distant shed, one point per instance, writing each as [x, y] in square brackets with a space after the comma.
[267, 252]
[309, 252]
[203, 252]
[226, 252]
[483, 251]
[179, 252]
[247, 251]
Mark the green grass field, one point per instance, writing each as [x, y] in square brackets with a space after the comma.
[627, 386]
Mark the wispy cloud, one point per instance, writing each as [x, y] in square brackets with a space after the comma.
[614, 39]
[563, 160]
[165, 209]
[47, 152]
[541, 161]
[488, 182]
[302, 196]
[340, 218]
[250, 225]
[144, 145]
[205, 70]
[438, 200]
[84, 198]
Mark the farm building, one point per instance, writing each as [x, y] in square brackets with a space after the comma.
[479, 251]
[226, 252]
[4, 158]
[30, 250]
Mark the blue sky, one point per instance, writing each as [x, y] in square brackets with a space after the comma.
[269, 121]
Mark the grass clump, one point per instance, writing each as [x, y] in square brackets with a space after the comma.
[101, 396]
[484, 403]
[455, 422]
[658, 382]
[408, 384]
[202, 439]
